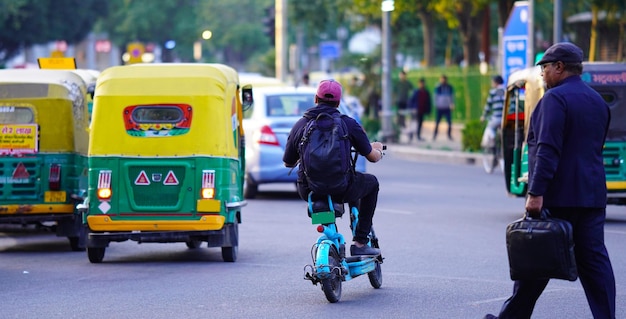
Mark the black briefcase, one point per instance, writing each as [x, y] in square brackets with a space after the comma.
[541, 248]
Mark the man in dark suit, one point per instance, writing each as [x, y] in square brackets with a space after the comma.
[566, 175]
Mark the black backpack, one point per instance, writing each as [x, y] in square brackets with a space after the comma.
[325, 154]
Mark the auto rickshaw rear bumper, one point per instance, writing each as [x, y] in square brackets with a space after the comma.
[37, 209]
[109, 223]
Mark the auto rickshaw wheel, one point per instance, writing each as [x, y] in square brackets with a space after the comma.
[95, 254]
[75, 243]
[250, 188]
[193, 244]
[229, 254]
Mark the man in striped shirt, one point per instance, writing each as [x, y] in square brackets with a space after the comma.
[493, 110]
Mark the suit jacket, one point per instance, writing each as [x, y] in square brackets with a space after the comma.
[565, 140]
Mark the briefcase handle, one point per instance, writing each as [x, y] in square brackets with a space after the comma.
[544, 214]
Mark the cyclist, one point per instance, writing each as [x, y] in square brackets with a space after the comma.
[363, 187]
[493, 109]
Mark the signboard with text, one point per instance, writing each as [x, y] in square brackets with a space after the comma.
[515, 40]
[18, 139]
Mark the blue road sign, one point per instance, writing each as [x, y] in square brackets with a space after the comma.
[330, 50]
[515, 40]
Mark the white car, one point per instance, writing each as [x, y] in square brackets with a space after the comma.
[267, 125]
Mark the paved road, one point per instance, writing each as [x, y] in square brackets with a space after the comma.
[442, 234]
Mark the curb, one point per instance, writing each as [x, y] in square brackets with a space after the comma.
[437, 156]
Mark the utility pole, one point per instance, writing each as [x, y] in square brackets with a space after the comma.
[530, 49]
[281, 40]
[388, 134]
[558, 22]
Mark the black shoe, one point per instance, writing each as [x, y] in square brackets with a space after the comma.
[450, 138]
[420, 139]
[490, 316]
[364, 251]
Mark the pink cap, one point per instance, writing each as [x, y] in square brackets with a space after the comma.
[329, 90]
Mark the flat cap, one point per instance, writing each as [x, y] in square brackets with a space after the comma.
[563, 51]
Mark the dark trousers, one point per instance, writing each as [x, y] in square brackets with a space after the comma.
[592, 260]
[402, 107]
[364, 190]
[447, 113]
[420, 121]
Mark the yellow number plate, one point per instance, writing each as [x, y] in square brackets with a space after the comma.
[54, 197]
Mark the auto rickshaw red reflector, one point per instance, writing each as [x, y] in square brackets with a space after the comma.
[20, 172]
[54, 178]
[104, 185]
[320, 228]
[267, 136]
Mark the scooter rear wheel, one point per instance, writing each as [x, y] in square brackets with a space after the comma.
[332, 285]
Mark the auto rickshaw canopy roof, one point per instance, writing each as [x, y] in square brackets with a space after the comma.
[57, 98]
[210, 89]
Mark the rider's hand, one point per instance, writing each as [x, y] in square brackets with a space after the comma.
[377, 152]
[482, 118]
[377, 145]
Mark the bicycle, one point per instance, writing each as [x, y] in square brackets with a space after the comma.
[330, 265]
[492, 153]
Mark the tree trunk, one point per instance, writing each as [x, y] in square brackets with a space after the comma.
[428, 30]
[470, 28]
[504, 9]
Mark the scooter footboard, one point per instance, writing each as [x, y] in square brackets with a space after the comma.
[360, 265]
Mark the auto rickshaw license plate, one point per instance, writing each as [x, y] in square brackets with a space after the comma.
[54, 197]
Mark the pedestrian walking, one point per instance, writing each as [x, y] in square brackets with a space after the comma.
[402, 89]
[421, 102]
[566, 135]
[444, 102]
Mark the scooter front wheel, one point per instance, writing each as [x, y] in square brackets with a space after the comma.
[376, 276]
[332, 285]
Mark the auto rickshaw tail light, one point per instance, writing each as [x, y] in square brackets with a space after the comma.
[208, 184]
[54, 177]
[267, 136]
[104, 185]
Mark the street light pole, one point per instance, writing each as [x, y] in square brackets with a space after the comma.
[281, 39]
[386, 7]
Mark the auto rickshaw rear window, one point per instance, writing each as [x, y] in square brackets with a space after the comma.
[157, 120]
[157, 114]
[12, 114]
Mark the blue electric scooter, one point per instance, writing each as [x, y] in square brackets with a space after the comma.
[330, 265]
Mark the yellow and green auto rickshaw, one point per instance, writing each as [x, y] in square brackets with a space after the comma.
[524, 90]
[166, 157]
[43, 150]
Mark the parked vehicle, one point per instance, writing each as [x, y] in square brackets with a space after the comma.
[267, 125]
[166, 157]
[43, 150]
[526, 87]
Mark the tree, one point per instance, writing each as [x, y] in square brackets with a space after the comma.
[467, 16]
[27, 22]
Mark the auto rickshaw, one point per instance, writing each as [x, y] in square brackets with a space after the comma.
[43, 150]
[166, 157]
[524, 90]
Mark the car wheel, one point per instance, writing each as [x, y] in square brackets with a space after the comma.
[250, 189]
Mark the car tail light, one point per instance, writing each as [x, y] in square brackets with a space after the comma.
[54, 177]
[267, 136]
[104, 185]
[208, 184]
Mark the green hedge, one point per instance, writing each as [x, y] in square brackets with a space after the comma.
[472, 135]
[470, 88]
